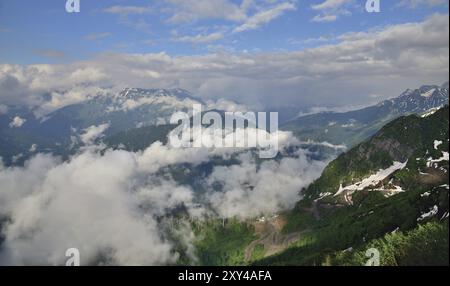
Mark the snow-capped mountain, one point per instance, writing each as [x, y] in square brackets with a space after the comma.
[419, 100]
[355, 126]
[58, 131]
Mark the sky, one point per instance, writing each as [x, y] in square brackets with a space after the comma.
[219, 45]
[42, 31]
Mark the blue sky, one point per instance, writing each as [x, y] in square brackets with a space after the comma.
[43, 32]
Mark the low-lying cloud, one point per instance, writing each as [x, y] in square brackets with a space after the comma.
[108, 203]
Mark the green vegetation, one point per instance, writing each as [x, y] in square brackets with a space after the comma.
[258, 252]
[140, 138]
[298, 221]
[373, 217]
[222, 244]
[425, 245]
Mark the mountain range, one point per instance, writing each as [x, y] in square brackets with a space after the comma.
[143, 114]
[23, 134]
[352, 127]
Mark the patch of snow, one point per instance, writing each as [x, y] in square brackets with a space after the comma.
[428, 93]
[433, 211]
[324, 144]
[425, 195]
[373, 179]
[430, 112]
[431, 161]
[396, 190]
[437, 143]
[322, 195]
[350, 249]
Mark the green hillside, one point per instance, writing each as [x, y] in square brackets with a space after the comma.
[404, 214]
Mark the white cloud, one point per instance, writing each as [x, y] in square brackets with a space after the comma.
[330, 4]
[249, 14]
[324, 18]
[331, 10]
[200, 38]
[128, 10]
[108, 203]
[223, 104]
[265, 16]
[131, 16]
[17, 122]
[384, 61]
[33, 148]
[263, 190]
[85, 203]
[93, 133]
[193, 10]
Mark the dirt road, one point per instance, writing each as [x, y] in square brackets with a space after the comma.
[271, 238]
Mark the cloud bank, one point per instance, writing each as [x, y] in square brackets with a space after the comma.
[109, 204]
[383, 61]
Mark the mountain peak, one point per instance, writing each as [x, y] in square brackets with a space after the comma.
[138, 93]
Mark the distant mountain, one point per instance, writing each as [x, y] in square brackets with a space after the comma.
[131, 108]
[352, 127]
[59, 132]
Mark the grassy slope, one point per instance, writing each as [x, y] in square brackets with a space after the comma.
[222, 245]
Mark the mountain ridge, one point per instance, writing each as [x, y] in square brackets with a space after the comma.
[352, 127]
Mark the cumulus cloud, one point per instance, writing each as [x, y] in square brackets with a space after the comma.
[17, 122]
[384, 61]
[93, 133]
[261, 190]
[85, 203]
